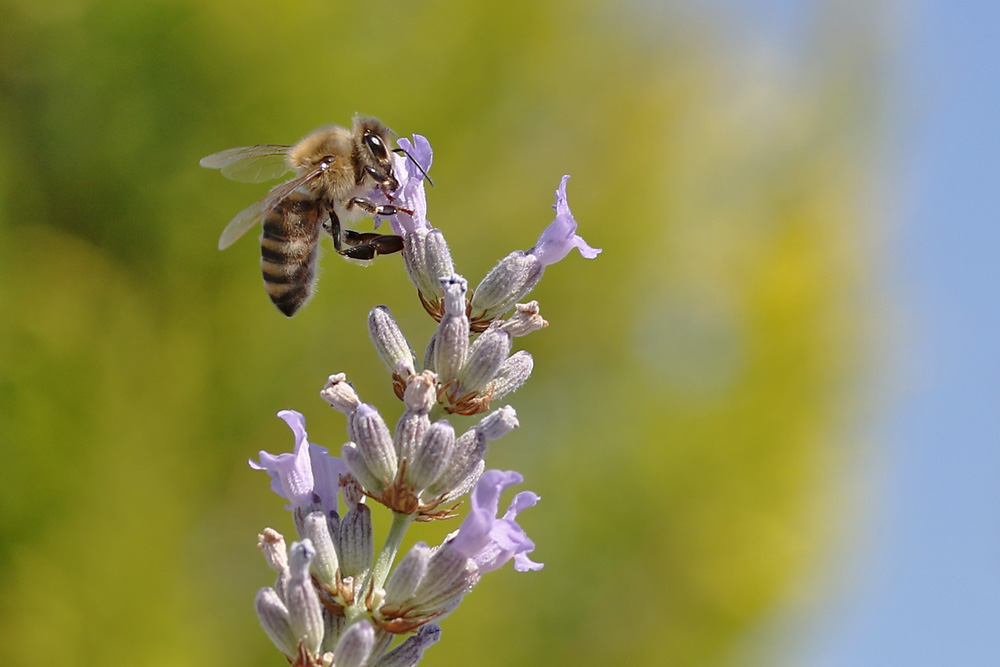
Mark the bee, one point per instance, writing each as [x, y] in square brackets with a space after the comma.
[335, 168]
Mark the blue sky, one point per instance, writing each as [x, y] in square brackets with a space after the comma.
[924, 587]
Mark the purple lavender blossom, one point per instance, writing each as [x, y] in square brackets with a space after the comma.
[410, 194]
[488, 541]
[305, 475]
[422, 154]
[560, 236]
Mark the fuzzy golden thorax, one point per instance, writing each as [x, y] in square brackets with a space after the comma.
[335, 145]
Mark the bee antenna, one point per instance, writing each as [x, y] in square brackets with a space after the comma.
[403, 151]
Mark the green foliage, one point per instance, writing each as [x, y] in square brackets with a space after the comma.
[686, 404]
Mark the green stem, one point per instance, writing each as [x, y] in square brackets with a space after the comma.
[400, 522]
[437, 412]
[377, 575]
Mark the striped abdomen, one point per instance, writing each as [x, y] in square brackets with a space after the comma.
[288, 247]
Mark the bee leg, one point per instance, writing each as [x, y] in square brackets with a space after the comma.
[387, 182]
[357, 245]
[332, 227]
[366, 246]
[371, 208]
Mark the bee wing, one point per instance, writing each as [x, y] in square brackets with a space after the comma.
[249, 216]
[250, 164]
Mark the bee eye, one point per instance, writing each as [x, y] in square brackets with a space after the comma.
[376, 146]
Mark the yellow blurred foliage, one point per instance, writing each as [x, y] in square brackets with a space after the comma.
[687, 410]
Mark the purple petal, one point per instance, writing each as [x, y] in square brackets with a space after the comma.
[420, 150]
[560, 236]
[291, 474]
[326, 476]
[491, 542]
[523, 500]
[410, 194]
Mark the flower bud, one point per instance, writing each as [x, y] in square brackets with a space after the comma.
[407, 575]
[439, 263]
[452, 338]
[357, 544]
[419, 398]
[450, 575]
[304, 613]
[415, 260]
[433, 457]
[389, 341]
[374, 442]
[317, 530]
[498, 423]
[430, 351]
[333, 627]
[485, 357]
[410, 432]
[513, 373]
[427, 259]
[355, 645]
[356, 464]
[467, 481]
[464, 468]
[515, 275]
[409, 653]
[299, 514]
[273, 616]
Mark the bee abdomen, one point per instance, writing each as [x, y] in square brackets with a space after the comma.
[289, 246]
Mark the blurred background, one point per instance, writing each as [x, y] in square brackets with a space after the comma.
[763, 422]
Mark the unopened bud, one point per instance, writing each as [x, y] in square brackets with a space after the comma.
[355, 645]
[389, 341]
[439, 263]
[273, 616]
[513, 373]
[498, 423]
[374, 442]
[451, 342]
[357, 544]
[409, 653]
[358, 467]
[325, 564]
[303, 605]
[515, 275]
[407, 575]
[433, 457]
[485, 357]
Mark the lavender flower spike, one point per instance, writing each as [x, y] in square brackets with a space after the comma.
[488, 541]
[560, 236]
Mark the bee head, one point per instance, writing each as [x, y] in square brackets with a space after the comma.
[371, 145]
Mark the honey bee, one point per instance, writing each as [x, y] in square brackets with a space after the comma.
[335, 168]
